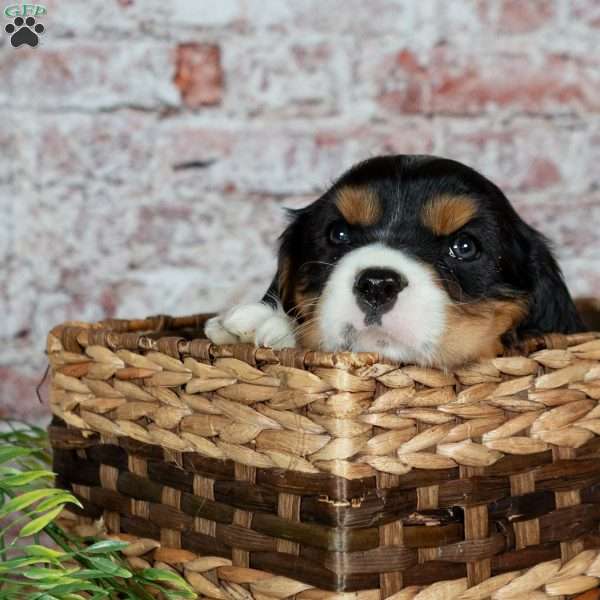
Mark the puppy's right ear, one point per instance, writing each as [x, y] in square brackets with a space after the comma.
[281, 290]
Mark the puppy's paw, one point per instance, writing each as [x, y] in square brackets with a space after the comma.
[216, 332]
[256, 323]
[244, 320]
[276, 332]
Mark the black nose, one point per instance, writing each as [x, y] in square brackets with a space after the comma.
[376, 290]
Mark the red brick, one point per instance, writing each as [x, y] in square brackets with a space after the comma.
[450, 81]
[542, 173]
[516, 16]
[198, 74]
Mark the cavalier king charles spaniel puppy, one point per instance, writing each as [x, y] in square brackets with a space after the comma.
[418, 258]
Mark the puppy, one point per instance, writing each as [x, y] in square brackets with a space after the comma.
[419, 258]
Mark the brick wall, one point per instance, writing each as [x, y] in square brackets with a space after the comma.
[148, 147]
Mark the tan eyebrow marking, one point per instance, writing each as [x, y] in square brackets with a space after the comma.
[446, 214]
[359, 205]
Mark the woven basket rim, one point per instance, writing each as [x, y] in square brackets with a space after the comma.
[140, 335]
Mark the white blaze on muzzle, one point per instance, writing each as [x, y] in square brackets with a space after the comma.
[409, 331]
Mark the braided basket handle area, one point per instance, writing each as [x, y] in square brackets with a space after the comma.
[152, 333]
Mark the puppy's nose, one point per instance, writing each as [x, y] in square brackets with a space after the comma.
[376, 290]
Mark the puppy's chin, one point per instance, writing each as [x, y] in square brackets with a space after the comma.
[378, 339]
[409, 332]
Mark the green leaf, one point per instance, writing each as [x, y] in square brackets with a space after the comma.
[105, 547]
[8, 471]
[43, 552]
[45, 573]
[51, 584]
[166, 576]
[21, 479]
[39, 523]
[89, 574]
[63, 498]
[8, 453]
[71, 586]
[177, 594]
[18, 563]
[109, 567]
[27, 499]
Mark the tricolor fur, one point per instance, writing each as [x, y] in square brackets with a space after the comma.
[419, 258]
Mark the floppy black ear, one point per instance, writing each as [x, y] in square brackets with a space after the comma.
[271, 296]
[551, 308]
[281, 289]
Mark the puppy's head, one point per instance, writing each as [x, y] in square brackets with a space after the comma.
[421, 259]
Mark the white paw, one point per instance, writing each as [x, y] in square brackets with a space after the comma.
[215, 331]
[276, 332]
[243, 320]
[256, 323]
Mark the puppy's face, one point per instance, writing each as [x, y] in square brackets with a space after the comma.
[419, 258]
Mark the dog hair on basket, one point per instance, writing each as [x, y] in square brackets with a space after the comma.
[419, 258]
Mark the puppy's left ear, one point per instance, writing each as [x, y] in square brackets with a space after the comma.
[551, 308]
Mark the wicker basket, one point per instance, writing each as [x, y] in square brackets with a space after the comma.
[263, 474]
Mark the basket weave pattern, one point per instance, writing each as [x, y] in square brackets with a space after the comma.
[273, 474]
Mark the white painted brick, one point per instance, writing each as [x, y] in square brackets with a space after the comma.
[205, 13]
[65, 76]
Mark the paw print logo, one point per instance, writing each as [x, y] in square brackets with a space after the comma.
[24, 31]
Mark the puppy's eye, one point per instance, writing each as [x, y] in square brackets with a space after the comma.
[464, 247]
[339, 233]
